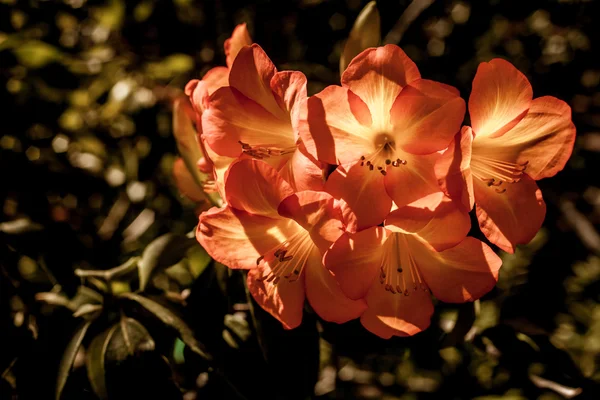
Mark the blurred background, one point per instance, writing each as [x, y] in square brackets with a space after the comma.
[86, 158]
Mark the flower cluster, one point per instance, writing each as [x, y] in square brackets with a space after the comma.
[358, 197]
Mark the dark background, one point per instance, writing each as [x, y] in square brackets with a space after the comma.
[85, 90]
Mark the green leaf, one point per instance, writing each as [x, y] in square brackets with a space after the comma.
[365, 33]
[117, 343]
[167, 317]
[36, 54]
[130, 337]
[198, 260]
[95, 361]
[161, 253]
[464, 323]
[68, 357]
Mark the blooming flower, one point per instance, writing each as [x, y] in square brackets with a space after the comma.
[384, 125]
[423, 248]
[514, 141]
[280, 237]
[256, 116]
[193, 179]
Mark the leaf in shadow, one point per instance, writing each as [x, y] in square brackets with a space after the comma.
[68, 357]
[161, 253]
[169, 318]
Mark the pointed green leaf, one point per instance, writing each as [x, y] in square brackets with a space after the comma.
[169, 318]
[161, 253]
[95, 361]
[365, 33]
[69, 357]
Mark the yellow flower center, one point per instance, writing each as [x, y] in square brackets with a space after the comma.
[385, 155]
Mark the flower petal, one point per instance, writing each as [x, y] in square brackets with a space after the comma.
[239, 38]
[220, 165]
[317, 213]
[396, 314]
[434, 218]
[251, 75]
[284, 300]
[303, 172]
[408, 183]
[512, 217]
[500, 97]
[336, 126]
[325, 296]
[355, 260]
[453, 169]
[185, 182]
[289, 88]
[426, 115]
[363, 192]
[377, 75]
[237, 239]
[256, 187]
[544, 139]
[462, 273]
[233, 118]
[215, 79]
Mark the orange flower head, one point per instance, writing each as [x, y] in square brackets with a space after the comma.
[385, 126]
[515, 140]
[279, 236]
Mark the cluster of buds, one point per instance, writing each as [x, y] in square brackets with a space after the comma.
[357, 198]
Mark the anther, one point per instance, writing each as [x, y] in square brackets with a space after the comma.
[388, 161]
[383, 173]
[399, 270]
[371, 167]
[498, 190]
[362, 158]
[259, 259]
[406, 292]
[288, 258]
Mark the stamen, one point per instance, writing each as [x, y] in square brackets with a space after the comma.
[296, 248]
[392, 276]
[496, 172]
[261, 152]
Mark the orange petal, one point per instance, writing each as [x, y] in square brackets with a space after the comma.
[325, 296]
[255, 187]
[500, 97]
[413, 181]
[220, 165]
[336, 126]
[289, 89]
[317, 213]
[239, 38]
[512, 217]
[434, 218]
[396, 314]
[233, 118]
[303, 172]
[197, 91]
[377, 75]
[426, 115]
[363, 192]
[544, 138]
[454, 172]
[283, 300]
[237, 239]
[251, 75]
[215, 79]
[185, 182]
[355, 260]
[462, 273]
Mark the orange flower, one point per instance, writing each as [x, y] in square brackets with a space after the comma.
[280, 237]
[515, 140]
[256, 116]
[385, 126]
[423, 248]
[190, 172]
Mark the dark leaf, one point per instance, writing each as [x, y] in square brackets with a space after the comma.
[163, 252]
[169, 318]
[464, 323]
[69, 357]
[95, 361]
[130, 337]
